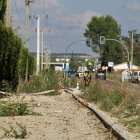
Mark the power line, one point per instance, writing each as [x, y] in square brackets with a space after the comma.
[18, 12]
[45, 13]
[31, 19]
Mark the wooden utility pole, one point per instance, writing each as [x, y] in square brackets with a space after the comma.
[8, 14]
[42, 48]
[27, 3]
[132, 45]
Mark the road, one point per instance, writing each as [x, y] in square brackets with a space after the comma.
[63, 118]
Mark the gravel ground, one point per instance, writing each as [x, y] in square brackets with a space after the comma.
[62, 119]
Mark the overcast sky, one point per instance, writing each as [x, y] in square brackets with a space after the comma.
[67, 20]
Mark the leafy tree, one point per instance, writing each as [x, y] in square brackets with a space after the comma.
[22, 63]
[10, 46]
[105, 26]
[136, 39]
[2, 9]
[73, 63]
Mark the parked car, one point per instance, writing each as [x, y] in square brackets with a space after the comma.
[126, 76]
[100, 74]
[80, 74]
[72, 73]
[135, 76]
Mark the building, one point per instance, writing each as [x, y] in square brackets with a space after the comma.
[123, 66]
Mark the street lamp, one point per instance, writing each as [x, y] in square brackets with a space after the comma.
[103, 39]
[123, 46]
[38, 45]
[132, 46]
[74, 42]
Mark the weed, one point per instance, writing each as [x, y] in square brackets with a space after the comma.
[114, 99]
[19, 132]
[15, 109]
[46, 80]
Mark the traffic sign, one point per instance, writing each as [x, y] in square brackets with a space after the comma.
[102, 40]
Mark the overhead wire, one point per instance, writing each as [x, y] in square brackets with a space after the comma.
[18, 12]
[46, 20]
[31, 23]
[47, 24]
[45, 13]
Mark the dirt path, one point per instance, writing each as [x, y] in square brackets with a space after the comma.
[62, 119]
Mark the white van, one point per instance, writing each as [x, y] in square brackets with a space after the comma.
[135, 76]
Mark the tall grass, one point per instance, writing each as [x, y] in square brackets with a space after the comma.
[116, 99]
[15, 109]
[46, 80]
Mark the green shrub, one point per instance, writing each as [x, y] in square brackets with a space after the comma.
[107, 105]
[73, 82]
[94, 92]
[118, 100]
[6, 86]
[46, 80]
[111, 97]
[15, 109]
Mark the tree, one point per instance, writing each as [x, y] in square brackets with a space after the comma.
[22, 63]
[73, 63]
[105, 26]
[10, 45]
[136, 39]
[2, 9]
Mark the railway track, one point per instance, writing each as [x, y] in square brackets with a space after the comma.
[116, 129]
[64, 118]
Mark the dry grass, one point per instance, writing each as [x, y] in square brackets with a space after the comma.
[115, 75]
[117, 99]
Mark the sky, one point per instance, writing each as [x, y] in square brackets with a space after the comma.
[64, 21]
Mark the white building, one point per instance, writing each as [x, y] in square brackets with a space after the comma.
[124, 66]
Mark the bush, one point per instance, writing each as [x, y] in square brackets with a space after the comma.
[111, 96]
[118, 100]
[15, 109]
[46, 80]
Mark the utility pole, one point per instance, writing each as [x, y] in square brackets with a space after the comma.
[46, 57]
[49, 58]
[38, 45]
[27, 3]
[42, 48]
[132, 46]
[8, 14]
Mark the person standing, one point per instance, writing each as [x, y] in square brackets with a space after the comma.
[87, 78]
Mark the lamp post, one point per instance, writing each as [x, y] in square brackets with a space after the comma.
[38, 45]
[128, 59]
[42, 48]
[132, 40]
[74, 42]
